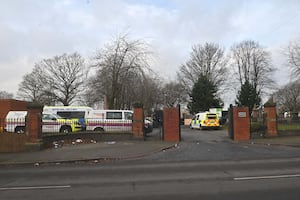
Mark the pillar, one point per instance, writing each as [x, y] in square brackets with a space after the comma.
[271, 121]
[171, 125]
[241, 124]
[34, 122]
[138, 121]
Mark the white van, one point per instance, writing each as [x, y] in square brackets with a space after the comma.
[69, 112]
[15, 122]
[109, 120]
[205, 120]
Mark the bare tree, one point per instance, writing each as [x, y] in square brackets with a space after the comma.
[58, 79]
[6, 95]
[119, 65]
[32, 88]
[173, 94]
[144, 89]
[288, 97]
[205, 60]
[294, 58]
[252, 64]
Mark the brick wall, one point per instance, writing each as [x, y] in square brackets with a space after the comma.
[12, 142]
[241, 125]
[171, 127]
[34, 123]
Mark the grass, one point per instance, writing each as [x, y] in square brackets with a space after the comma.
[289, 127]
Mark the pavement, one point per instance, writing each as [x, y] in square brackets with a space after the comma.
[83, 152]
[111, 150]
[293, 141]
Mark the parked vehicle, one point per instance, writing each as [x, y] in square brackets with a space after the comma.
[109, 120]
[148, 125]
[205, 120]
[113, 121]
[69, 112]
[15, 122]
[78, 113]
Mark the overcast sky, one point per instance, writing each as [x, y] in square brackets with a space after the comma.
[31, 30]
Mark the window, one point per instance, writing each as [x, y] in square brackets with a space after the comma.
[50, 117]
[114, 115]
[46, 116]
[128, 115]
[71, 114]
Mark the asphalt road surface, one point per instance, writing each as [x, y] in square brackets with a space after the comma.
[215, 145]
[205, 165]
[263, 179]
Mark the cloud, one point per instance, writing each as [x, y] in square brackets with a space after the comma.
[32, 30]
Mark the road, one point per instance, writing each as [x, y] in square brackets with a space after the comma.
[271, 179]
[205, 165]
[211, 145]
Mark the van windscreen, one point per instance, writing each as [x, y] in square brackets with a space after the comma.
[128, 115]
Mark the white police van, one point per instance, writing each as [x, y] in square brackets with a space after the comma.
[16, 122]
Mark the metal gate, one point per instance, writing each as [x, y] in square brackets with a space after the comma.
[230, 122]
[258, 125]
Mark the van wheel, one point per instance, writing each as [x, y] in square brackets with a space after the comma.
[99, 129]
[20, 129]
[65, 129]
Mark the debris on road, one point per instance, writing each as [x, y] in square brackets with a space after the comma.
[111, 142]
[78, 140]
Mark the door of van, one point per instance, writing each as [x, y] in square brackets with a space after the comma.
[118, 120]
[114, 121]
[50, 123]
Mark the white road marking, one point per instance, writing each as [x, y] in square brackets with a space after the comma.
[266, 177]
[37, 187]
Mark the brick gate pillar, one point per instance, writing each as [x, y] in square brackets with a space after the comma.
[241, 124]
[271, 121]
[171, 126]
[138, 121]
[34, 123]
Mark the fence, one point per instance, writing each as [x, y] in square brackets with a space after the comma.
[105, 125]
[257, 123]
[288, 123]
[18, 126]
[14, 125]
